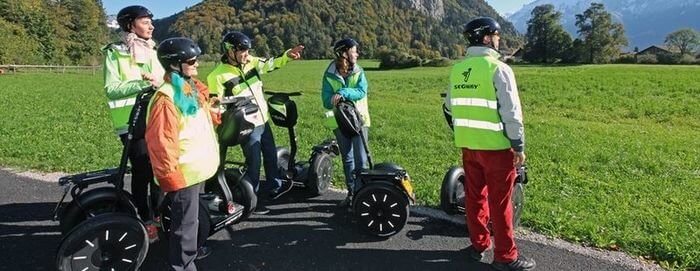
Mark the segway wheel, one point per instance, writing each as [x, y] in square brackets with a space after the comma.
[518, 199]
[321, 174]
[112, 241]
[381, 209]
[452, 191]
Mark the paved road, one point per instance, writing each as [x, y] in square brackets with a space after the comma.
[299, 233]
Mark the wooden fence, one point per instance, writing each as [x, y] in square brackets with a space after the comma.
[48, 68]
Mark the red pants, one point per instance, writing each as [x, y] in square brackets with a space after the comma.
[490, 178]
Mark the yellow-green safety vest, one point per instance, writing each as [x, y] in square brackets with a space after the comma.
[474, 105]
[123, 80]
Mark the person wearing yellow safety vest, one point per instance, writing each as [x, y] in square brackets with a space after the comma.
[182, 146]
[130, 66]
[345, 79]
[488, 126]
[238, 74]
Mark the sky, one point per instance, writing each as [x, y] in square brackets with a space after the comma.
[159, 8]
[507, 6]
[162, 8]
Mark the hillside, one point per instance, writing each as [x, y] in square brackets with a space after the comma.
[52, 32]
[427, 28]
[646, 22]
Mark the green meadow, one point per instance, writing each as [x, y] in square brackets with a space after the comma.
[613, 150]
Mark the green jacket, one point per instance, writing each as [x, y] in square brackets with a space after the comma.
[353, 88]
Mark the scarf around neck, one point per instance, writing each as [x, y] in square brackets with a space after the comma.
[185, 100]
[139, 49]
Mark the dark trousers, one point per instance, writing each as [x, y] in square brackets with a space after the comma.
[354, 157]
[185, 223]
[262, 142]
[490, 178]
[141, 178]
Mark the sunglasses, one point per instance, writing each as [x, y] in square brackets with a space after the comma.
[190, 62]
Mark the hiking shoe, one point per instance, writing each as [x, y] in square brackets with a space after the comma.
[203, 252]
[261, 210]
[285, 187]
[521, 263]
[473, 253]
[347, 202]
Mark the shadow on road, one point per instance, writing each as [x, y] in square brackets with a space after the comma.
[28, 236]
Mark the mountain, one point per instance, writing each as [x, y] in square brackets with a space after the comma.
[646, 22]
[426, 28]
[112, 22]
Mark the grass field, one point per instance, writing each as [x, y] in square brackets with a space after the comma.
[612, 150]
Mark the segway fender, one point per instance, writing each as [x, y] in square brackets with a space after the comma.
[73, 214]
[329, 146]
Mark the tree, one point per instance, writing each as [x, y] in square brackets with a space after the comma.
[685, 40]
[546, 38]
[601, 36]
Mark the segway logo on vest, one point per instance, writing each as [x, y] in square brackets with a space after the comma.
[466, 74]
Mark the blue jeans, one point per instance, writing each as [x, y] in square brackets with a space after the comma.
[261, 140]
[354, 157]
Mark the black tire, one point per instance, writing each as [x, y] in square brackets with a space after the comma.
[452, 191]
[321, 174]
[518, 199]
[203, 230]
[94, 202]
[242, 191]
[380, 209]
[112, 241]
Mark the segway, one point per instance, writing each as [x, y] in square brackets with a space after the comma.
[100, 225]
[314, 174]
[380, 206]
[452, 196]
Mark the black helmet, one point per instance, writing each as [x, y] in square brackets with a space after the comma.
[477, 29]
[236, 41]
[127, 15]
[174, 51]
[343, 45]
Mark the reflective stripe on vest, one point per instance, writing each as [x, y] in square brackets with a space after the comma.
[122, 103]
[478, 124]
[474, 106]
[361, 105]
[474, 102]
[198, 146]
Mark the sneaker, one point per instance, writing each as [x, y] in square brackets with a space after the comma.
[152, 231]
[203, 252]
[521, 263]
[285, 187]
[473, 253]
[346, 202]
[261, 210]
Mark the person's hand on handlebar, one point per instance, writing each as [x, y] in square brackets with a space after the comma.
[336, 99]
